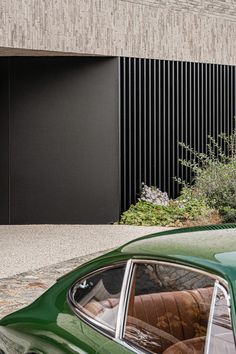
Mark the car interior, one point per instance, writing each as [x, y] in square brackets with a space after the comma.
[170, 322]
[168, 309]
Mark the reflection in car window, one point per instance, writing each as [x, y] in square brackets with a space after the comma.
[221, 338]
[168, 309]
[98, 295]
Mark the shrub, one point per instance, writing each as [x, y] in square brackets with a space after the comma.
[217, 184]
[196, 208]
[153, 195]
[228, 214]
[199, 161]
[186, 210]
[147, 214]
[215, 174]
[210, 198]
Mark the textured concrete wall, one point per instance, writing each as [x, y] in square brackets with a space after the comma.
[196, 30]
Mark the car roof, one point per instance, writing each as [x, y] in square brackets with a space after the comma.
[211, 247]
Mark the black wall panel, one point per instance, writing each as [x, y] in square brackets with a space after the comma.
[163, 102]
[60, 160]
[4, 140]
[63, 140]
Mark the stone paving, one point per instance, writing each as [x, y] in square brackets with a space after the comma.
[20, 290]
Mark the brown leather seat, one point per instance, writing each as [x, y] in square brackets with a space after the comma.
[189, 346]
[167, 323]
[182, 315]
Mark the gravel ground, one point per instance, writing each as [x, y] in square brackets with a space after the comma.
[34, 256]
[28, 247]
[20, 290]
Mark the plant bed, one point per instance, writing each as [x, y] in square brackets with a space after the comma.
[209, 198]
[187, 210]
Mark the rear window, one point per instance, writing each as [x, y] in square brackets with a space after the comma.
[97, 296]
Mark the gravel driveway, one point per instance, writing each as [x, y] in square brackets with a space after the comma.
[34, 256]
[23, 248]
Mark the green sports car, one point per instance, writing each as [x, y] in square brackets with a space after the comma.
[168, 293]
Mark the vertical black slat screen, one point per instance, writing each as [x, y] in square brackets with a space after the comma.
[162, 103]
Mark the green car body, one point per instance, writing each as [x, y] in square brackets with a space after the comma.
[49, 325]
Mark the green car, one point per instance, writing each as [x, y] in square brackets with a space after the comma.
[168, 293]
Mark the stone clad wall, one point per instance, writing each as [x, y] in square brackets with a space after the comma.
[214, 8]
[196, 30]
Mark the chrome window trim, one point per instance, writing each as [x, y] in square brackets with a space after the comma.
[210, 321]
[183, 266]
[124, 295]
[209, 326]
[125, 313]
[99, 326]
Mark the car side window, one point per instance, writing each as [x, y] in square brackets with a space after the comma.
[220, 337]
[98, 295]
[168, 309]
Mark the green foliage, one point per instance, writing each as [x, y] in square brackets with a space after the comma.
[228, 214]
[193, 204]
[221, 150]
[215, 174]
[147, 214]
[185, 210]
[210, 198]
[217, 183]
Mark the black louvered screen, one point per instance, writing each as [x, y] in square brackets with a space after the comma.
[161, 103]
